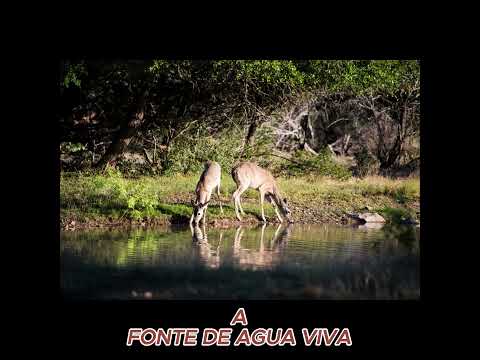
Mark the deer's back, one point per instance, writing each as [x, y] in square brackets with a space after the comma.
[210, 176]
[251, 174]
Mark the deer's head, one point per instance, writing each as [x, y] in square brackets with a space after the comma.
[198, 210]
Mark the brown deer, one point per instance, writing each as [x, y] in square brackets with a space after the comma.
[209, 181]
[249, 175]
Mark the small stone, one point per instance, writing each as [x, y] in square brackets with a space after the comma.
[371, 217]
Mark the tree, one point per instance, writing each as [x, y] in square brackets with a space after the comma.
[108, 105]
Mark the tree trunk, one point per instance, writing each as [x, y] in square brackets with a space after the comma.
[250, 135]
[125, 134]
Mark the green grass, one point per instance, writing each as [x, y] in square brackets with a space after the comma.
[92, 197]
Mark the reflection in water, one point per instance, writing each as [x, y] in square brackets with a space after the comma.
[371, 226]
[263, 262]
[266, 255]
[209, 255]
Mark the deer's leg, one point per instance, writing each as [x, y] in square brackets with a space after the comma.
[219, 200]
[239, 202]
[236, 197]
[241, 208]
[277, 212]
[235, 201]
[262, 197]
[209, 196]
[271, 201]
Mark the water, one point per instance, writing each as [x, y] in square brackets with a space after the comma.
[264, 262]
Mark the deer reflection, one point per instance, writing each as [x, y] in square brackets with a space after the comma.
[208, 255]
[267, 255]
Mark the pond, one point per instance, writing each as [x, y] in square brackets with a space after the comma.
[263, 262]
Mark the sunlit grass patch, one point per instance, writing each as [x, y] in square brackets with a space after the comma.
[118, 197]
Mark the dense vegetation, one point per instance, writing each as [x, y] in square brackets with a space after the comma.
[161, 117]
[304, 120]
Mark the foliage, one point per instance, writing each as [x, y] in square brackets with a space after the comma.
[362, 76]
[322, 164]
[90, 196]
[396, 215]
[366, 164]
[134, 197]
[74, 74]
[191, 105]
[189, 154]
[69, 147]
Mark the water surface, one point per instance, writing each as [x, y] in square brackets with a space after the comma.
[264, 262]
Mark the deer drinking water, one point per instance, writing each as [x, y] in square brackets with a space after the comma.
[249, 175]
[209, 181]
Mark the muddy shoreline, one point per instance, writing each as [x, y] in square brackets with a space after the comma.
[72, 224]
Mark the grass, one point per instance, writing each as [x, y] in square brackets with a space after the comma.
[97, 198]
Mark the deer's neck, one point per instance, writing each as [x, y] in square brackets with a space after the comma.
[202, 194]
[276, 196]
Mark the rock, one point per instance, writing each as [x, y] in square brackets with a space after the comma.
[371, 217]
[367, 217]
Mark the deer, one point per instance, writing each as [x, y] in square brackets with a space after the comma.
[249, 175]
[208, 182]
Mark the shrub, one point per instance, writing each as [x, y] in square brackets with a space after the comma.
[188, 155]
[133, 196]
[322, 165]
[366, 163]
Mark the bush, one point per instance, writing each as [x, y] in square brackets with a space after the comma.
[406, 193]
[307, 164]
[130, 195]
[188, 155]
[366, 163]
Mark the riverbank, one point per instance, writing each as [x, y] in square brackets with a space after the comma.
[92, 200]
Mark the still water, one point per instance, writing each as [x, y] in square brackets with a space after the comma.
[264, 262]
